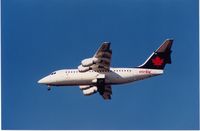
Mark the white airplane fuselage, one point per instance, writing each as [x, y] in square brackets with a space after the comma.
[95, 73]
[72, 77]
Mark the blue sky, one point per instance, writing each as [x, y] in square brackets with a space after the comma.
[40, 36]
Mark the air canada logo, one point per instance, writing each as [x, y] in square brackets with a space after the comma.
[157, 61]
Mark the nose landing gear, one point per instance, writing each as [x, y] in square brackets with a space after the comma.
[49, 88]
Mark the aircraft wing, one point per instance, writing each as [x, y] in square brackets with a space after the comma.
[105, 91]
[103, 54]
[100, 60]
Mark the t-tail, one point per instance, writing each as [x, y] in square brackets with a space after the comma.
[160, 57]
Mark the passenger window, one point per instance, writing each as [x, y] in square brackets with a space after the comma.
[53, 73]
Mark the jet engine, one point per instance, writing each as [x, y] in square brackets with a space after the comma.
[83, 69]
[88, 62]
[90, 91]
[84, 87]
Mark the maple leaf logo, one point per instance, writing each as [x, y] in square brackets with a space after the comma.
[157, 61]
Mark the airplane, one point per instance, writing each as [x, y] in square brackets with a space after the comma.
[94, 74]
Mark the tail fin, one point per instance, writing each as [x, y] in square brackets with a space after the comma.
[160, 57]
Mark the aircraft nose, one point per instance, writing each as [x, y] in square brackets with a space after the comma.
[44, 80]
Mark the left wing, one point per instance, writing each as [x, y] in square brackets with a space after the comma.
[100, 60]
[105, 91]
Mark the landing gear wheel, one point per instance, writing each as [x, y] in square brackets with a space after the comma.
[49, 88]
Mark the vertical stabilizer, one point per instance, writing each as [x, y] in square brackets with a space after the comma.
[160, 57]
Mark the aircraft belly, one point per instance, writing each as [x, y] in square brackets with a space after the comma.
[78, 79]
[119, 78]
[126, 78]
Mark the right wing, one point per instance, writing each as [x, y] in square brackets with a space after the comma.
[104, 54]
[100, 60]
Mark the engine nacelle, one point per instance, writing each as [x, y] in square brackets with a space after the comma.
[90, 91]
[84, 87]
[89, 61]
[83, 69]
[95, 60]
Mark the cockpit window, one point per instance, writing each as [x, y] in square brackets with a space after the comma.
[53, 73]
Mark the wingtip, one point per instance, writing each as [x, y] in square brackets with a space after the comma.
[107, 42]
[170, 39]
